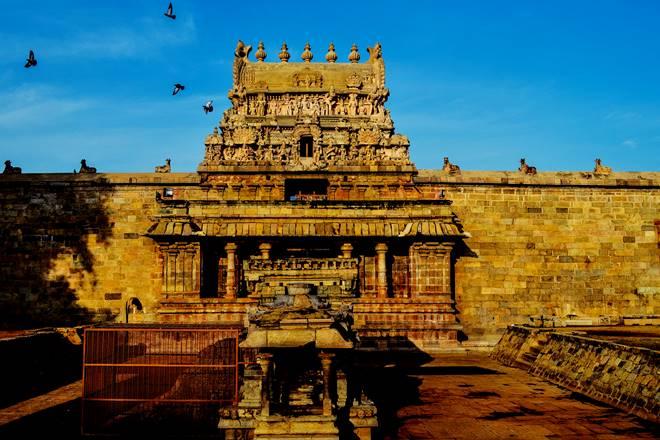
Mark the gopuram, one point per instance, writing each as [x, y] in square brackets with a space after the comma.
[306, 181]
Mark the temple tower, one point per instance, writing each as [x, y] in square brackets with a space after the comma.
[306, 181]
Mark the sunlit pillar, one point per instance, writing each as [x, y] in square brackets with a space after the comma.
[381, 269]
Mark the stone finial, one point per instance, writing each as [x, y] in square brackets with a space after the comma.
[331, 56]
[307, 53]
[354, 56]
[260, 54]
[284, 54]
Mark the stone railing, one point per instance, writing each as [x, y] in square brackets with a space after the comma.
[619, 375]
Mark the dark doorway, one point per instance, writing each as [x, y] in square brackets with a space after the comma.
[306, 146]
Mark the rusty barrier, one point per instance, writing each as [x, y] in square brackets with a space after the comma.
[161, 380]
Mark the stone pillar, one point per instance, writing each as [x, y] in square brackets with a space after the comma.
[265, 248]
[264, 360]
[381, 270]
[346, 250]
[230, 292]
[326, 364]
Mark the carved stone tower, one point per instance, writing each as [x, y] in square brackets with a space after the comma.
[306, 181]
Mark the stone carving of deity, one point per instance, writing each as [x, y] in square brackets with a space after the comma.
[316, 108]
[283, 153]
[268, 153]
[328, 102]
[339, 108]
[260, 106]
[331, 152]
[352, 104]
[353, 153]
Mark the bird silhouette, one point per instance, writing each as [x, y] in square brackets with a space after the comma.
[208, 107]
[31, 60]
[169, 13]
[177, 88]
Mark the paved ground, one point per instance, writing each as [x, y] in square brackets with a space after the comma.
[473, 397]
[453, 397]
[40, 403]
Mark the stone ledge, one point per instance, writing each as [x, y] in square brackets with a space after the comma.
[619, 375]
[646, 179]
[102, 178]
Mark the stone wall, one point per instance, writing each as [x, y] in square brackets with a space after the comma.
[622, 376]
[72, 249]
[554, 244]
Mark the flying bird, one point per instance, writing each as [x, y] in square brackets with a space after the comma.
[208, 107]
[169, 13]
[177, 88]
[31, 60]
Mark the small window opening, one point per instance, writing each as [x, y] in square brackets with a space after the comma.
[306, 146]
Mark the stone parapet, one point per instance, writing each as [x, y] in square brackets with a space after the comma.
[622, 376]
[643, 179]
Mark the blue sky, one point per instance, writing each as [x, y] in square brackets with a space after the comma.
[483, 82]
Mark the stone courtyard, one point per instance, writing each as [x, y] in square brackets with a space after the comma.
[455, 396]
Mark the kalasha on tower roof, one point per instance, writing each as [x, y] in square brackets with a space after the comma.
[307, 116]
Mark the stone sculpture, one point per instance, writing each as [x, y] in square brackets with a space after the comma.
[86, 169]
[450, 168]
[164, 168]
[526, 169]
[9, 169]
[601, 169]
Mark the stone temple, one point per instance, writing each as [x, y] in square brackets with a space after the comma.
[307, 252]
[306, 181]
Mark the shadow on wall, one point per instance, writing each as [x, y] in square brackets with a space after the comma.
[461, 250]
[46, 228]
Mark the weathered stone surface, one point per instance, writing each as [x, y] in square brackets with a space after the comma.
[622, 376]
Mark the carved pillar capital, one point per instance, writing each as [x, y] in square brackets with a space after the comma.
[381, 248]
[346, 250]
[265, 248]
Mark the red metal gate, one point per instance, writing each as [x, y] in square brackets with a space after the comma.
[165, 379]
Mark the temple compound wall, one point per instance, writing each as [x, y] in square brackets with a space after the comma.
[305, 184]
[560, 245]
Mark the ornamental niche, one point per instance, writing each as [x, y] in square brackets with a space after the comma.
[306, 116]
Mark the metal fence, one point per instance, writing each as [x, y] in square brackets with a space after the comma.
[161, 380]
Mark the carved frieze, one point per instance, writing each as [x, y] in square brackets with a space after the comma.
[307, 79]
[244, 135]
